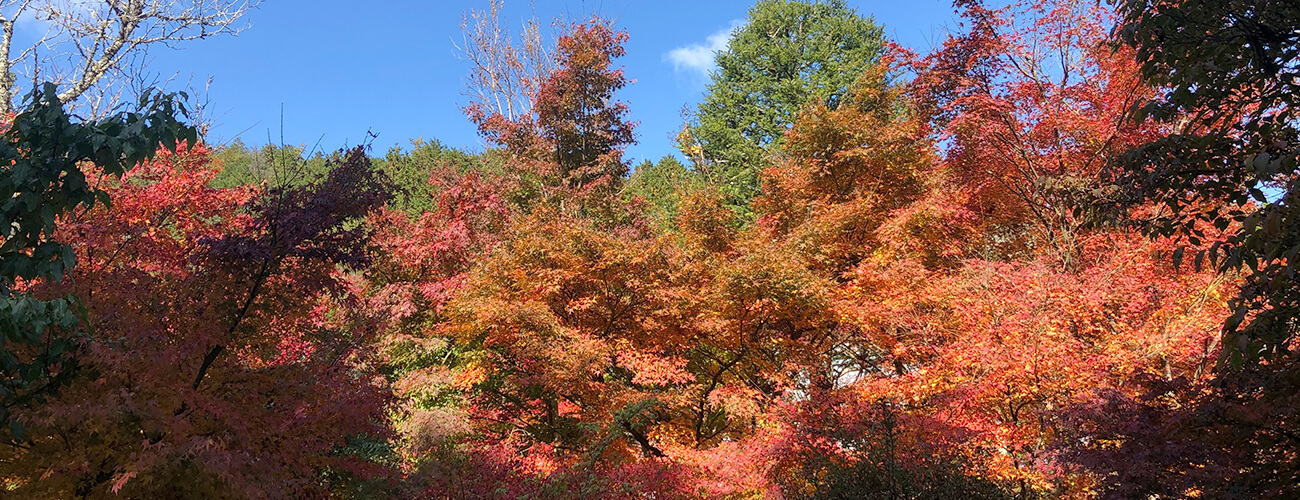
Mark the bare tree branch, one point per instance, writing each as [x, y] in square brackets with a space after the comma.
[505, 70]
[91, 46]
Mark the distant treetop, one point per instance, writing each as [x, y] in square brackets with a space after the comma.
[788, 54]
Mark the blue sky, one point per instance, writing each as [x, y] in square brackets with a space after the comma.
[342, 68]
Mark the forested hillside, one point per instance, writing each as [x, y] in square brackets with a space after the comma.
[1052, 258]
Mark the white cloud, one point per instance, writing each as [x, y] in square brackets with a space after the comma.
[698, 58]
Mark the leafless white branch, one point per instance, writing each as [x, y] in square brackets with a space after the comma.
[95, 46]
[505, 70]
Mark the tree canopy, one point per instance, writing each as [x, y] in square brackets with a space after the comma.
[1049, 258]
[787, 55]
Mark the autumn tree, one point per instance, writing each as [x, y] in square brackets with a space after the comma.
[617, 346]
[227, 357]
[1231, 158]
[576, 110]
[575, 136]
[841, 446]
[846, 170]
[1224, 181]
[1035, 113]
[424, 262]
[45, 181]
[989, 337]
[586, 291]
